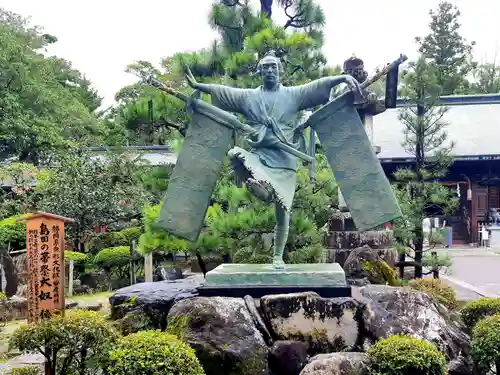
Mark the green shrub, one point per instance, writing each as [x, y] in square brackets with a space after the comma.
[29, 370]
[113, 256]
[473, 311]
[486, 343]
[13, 231]
[153, 353]
[123, 237]
[130, 234]
[403, 355]
[76, 257]
[114, 261]
[436, 289]
[155, 240]
[80, 338]
[379, 272]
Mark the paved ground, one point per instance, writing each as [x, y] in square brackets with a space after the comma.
[475, 272]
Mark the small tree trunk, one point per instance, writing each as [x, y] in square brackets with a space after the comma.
[419, 252]
[402, 260]
[435, 268]
[418, 190]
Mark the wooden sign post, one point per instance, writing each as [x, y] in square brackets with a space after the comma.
[45, 257]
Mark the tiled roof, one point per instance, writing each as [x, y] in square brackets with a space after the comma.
[473, 126]
[150, 158]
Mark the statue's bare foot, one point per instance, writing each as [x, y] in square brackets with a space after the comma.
[258, 190]
[278, 263]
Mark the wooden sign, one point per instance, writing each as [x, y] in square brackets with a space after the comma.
[45, 257]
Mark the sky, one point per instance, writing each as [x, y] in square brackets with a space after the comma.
[101, 37]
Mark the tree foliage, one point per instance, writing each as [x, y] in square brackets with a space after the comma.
[45, 105]
[448, 50]
[426, 140]
[18, 180]
[487, 78]
[93, 191]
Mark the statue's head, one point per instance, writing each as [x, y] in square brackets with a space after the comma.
[355, 67]
[269, 68]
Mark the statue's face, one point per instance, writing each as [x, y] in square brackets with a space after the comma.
[269, 70]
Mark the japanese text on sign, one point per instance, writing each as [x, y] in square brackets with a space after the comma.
[45, 245]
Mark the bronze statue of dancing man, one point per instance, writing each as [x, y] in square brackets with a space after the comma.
[272, 109]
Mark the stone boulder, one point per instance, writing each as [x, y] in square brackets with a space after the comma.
[325, 324]
[151, 301]
[348, 363]
[167, 273]
[16, 308]
[223, 334]
[365, 263]
[406, 311]
[288, 357]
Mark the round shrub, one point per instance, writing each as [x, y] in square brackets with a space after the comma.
[403, 355]
[113, 256]
[486, 343]
[123, 237]
[80, 338]
[436, 289]
[13, 231]
[473, 311]
[130, 234]
[153, 353]
[76, 257]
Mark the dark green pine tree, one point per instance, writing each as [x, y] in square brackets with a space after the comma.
[448, 49]
[425, 138]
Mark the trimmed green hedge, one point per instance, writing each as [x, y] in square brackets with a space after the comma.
[113, 256]
[474, 311]
[13, 231]
[153, 353]
[486, 343]
[75, 256]
[403, 355]
[123, 237]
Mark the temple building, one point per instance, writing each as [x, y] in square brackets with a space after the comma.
[474, 176]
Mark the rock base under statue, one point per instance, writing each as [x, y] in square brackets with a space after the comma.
[257, 280]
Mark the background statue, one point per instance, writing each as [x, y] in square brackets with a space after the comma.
[268, 171]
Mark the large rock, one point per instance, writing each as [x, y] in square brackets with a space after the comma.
[326, 324]
[151, 301]
[337, 364]
[409, 312]
[222, 332]
[166, 273]
[288, 357]
[365, 263]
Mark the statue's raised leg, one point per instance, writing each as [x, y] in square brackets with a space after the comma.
[258, 190]
[255, 188]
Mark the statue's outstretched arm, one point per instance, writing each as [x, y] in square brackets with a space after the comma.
[225, 97]
[318, 91]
